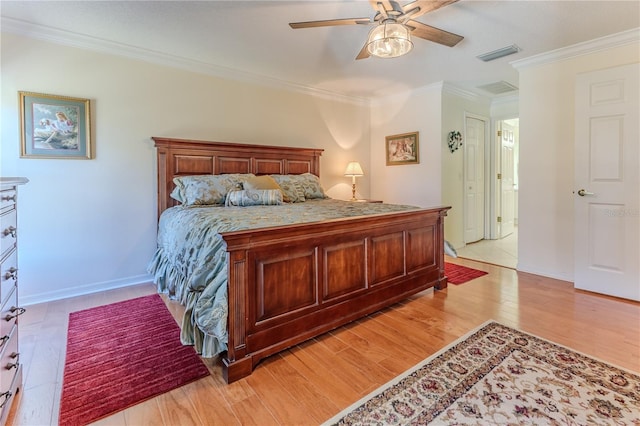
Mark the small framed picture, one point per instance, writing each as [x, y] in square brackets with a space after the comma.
[402, 149]
[53, 126]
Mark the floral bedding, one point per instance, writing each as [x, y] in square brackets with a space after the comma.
[190, 260]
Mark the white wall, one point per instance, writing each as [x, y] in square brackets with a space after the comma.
[454, 107]
[87, 225]
[546, 218]
[413, 184]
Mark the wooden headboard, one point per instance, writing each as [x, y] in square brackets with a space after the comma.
[180, 157]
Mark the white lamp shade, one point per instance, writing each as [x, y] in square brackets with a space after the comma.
[353, 169]
[389, 40]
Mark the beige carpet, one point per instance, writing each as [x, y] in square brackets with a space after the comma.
[497, 375]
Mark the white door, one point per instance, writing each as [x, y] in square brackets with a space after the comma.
[474, 180]
[507, 174]
[607, 182]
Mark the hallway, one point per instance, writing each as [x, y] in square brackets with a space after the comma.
[502, 252]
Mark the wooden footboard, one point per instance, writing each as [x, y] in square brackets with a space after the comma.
[288, 284]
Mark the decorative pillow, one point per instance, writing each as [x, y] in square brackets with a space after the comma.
[260, 182]
[291, 189]
[207, 189]
[254, 197]
[311, 186]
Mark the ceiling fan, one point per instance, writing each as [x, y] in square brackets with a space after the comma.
[395, 24]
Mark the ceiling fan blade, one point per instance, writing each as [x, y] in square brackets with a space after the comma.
[418, 29]
[424, 6]
[364, 53]
[386, 4]
[330, 23]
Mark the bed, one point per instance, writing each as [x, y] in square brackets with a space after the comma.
[283, 282]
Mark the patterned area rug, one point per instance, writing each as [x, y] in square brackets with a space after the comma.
[458, 274]
[497, 376]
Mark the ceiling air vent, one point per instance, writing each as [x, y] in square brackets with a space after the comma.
[509, 50]
[498, 87]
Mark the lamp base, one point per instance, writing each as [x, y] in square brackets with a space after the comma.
[353, 191]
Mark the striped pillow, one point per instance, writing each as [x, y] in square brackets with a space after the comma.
[254, 197]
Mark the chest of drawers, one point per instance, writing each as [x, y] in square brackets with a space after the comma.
[10, 366]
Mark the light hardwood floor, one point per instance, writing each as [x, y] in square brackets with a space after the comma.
[311, 382]
[502, 252]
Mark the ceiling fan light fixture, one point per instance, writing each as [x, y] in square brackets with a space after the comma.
[389, 40]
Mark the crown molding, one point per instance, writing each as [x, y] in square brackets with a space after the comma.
[465, 94]
[80, 41]
[584, 48]
[505, 99]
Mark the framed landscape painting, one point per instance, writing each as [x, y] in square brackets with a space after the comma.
[402, 149]
[53, 126]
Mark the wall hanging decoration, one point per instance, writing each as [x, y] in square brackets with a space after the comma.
[53, 126]
[402, 149]
[455, 140]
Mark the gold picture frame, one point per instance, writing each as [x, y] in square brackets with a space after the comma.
[53, 126]
[402, 149]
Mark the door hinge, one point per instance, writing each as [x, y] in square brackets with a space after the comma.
[499, 132]
[499, 175]
[499, 219]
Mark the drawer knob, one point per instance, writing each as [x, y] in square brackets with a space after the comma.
[7, 396]
[16, 356]
[12, 274]
[12, 230]
[16, 312]
[13, 197]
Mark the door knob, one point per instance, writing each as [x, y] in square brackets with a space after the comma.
[582, 193]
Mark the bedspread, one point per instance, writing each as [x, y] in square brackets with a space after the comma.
[190, 263]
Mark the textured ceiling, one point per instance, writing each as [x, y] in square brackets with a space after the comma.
[254, 38]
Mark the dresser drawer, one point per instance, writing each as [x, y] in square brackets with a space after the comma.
[9, 360]
[8, 198]
[7, 397]
[8, 231]
[8, 276]
[9, 316]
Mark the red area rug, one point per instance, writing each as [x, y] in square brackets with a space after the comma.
[121, 354]
[458, 274]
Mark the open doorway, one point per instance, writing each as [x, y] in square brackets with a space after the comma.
[499, 240]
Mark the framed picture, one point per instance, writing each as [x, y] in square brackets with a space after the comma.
[54, 126]
[402, 149]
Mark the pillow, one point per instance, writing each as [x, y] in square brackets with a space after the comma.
[254, 197]
[311, 186]
[207, 189]
[260, 182]
[291, 189]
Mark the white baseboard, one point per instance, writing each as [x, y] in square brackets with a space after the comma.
[83, 290]
[543, 273]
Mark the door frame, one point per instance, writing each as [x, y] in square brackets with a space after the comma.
[495, 168]
[487, 162]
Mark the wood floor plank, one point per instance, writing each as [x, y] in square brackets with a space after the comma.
[177, 409]
[208, 400]
[252, 412]
[324, 381]
[311, 401]
[322, 376]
